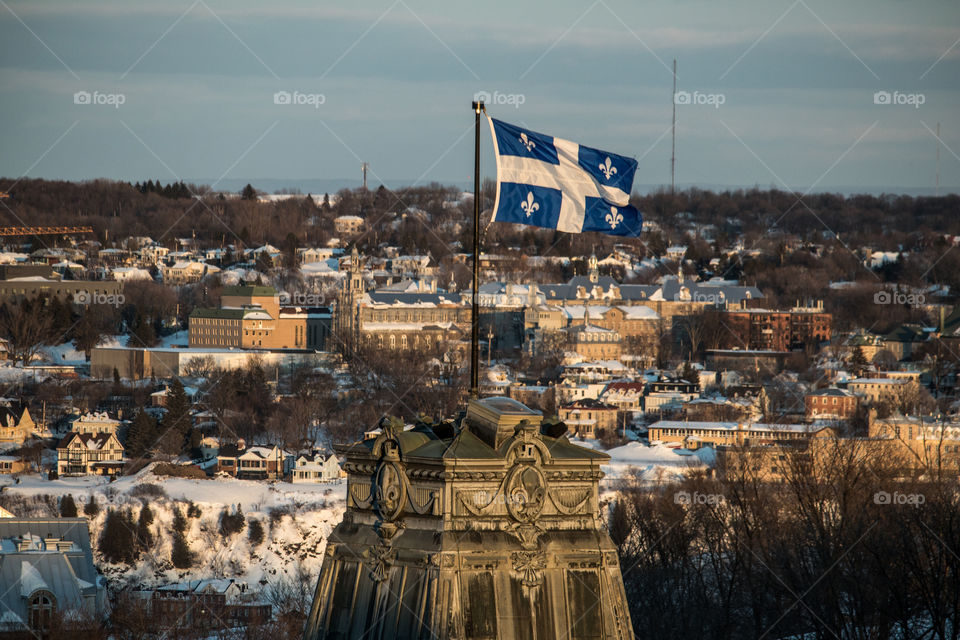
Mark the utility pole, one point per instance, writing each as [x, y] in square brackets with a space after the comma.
[489, 344]
[363, 168]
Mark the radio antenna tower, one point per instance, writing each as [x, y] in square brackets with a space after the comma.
[673, 131]
[937, 184]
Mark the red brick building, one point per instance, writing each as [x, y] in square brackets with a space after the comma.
[767, 330]
[831, 403]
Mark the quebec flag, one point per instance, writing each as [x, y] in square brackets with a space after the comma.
[557, 184]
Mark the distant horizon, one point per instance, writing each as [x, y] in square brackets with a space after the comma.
[319, 186]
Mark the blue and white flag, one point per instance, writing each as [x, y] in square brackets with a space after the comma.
[557, 184]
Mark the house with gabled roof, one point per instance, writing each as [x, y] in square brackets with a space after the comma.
[16, 424]
[254, 462]
[317, 467]
[83, 454]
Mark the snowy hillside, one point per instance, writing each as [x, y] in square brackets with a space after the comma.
[296, 521]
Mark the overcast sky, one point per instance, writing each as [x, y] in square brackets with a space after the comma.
[786, 88]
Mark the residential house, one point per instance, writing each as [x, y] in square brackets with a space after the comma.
[81, 454]
[10, 465]
[839, 404]
[584, 418]
[317, 467]
[94, 423]
[254, 462]
[348, 225]
[626, 396]
[16, 425]
[186, 272]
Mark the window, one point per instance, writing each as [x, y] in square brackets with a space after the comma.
[41, 610]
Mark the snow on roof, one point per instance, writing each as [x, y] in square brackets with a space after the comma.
[728, 426]
[30, 580]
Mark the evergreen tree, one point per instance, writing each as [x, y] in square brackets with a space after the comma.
[248, 193]
[68, 508]
[180, 555]
[141, 435]
[176, 422]
[858, 361]
[92, 507]
[144, 537]
[231, 523]
[118, 538]
[179, 522]
[255, 532]
[690, 374]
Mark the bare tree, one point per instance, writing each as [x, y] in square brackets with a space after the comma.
[25, 328]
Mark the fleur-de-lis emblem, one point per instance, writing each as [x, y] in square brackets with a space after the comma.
[614, 217]
[607, 168]
[529, 205]
[527, 142]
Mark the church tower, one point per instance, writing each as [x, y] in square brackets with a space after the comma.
[347, 325]
[594, 269]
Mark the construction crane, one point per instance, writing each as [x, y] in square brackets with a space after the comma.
[43, 231]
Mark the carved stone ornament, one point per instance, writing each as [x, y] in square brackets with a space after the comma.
[381, 557]
[530, 565]
[526, 491]
[390, 491]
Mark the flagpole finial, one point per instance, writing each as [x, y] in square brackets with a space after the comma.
[478, 106]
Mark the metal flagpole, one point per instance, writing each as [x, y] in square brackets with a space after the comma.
[475, 311]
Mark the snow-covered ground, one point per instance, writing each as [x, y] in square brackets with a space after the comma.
[296, 518]
[638, 463]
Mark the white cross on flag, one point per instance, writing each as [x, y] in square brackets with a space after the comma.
[557, 184]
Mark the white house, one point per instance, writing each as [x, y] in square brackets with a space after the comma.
[317, 468]
[94, 423]
[184, 272]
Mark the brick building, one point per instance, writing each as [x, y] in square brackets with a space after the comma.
[831, 403]
[766, 330]
[253, 318]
